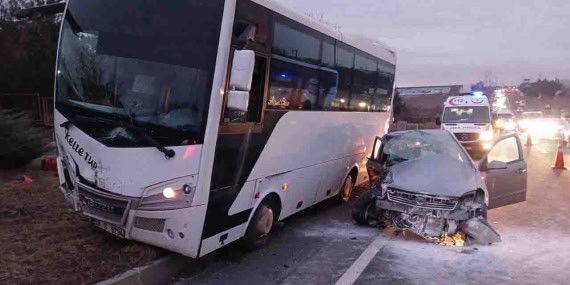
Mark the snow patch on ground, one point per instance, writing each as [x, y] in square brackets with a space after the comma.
[338, 230]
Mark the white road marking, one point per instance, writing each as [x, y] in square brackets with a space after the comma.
[352, 274]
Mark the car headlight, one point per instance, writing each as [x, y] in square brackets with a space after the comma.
[509, 126]
[487, 136]
[177, 194]
[500, 123]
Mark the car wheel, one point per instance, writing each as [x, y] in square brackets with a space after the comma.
[346, 190]
[260, 226]
[364, 212]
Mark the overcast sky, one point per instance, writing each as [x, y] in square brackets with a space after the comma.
[460, 41]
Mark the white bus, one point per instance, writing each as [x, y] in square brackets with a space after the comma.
[191, 124]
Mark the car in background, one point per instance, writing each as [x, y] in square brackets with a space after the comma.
[424, 181]
[505, 122]
[551, 128]
[529, 120]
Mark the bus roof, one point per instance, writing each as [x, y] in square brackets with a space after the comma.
[366, 44]
[459, 101]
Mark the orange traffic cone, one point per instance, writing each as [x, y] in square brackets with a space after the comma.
[26, 180]
[528, 140]
[559, 162]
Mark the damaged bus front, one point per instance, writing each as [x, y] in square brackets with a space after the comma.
[132, 96]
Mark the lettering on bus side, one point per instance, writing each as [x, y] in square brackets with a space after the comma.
[79, 150]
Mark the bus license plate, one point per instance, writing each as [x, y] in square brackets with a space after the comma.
[112, 229]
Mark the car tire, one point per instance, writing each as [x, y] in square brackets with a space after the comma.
[364, 212]
[346, 190]
[261, 225]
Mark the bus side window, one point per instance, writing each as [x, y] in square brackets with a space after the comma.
[256, 95]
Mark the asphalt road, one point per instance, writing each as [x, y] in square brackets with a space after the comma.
[323, 246]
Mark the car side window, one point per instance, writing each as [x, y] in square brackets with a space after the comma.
[506, 151]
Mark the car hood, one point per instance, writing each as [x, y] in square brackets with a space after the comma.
[435, 175]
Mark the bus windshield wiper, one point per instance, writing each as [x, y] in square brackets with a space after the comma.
[168, 153]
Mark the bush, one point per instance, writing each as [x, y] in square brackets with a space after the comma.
[20, 141]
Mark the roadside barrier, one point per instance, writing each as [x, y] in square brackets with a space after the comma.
[559, 162]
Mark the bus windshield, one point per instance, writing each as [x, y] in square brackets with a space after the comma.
[141, 62]
[474, 114]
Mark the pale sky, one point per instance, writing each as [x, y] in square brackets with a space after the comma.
[460, 41]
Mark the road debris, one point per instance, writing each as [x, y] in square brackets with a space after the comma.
[26, 180]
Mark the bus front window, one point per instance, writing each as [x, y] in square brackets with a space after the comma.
[144, 63]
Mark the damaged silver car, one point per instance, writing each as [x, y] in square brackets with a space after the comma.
[424, 181]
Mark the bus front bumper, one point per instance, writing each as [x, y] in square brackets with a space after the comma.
[174, 230]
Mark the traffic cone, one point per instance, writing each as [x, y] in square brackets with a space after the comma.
[559, 162]
[528, 140]
[26, 180]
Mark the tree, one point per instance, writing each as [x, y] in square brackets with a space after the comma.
[20, 141]
[28, 49]
[541, 87]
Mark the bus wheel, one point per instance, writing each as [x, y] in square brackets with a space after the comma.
[346, 190]
[260, 226]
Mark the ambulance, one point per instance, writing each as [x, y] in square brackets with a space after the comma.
[469, 119]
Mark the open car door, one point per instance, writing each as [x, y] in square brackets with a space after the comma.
[505, 171]
[374, 164]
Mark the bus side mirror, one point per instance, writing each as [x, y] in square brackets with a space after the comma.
[240, 80]
[438, 121]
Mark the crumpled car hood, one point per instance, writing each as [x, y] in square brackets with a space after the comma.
[435, 175]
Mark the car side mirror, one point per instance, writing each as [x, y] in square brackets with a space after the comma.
[376, 148]
[494, 165]
[240, 80]
[438, 122]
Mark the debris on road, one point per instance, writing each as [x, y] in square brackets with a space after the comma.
[480, 231]
[26, 180]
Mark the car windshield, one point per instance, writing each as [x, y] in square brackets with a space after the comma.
[141, 62]
[476, 114]
[505, 116]
[419, 144]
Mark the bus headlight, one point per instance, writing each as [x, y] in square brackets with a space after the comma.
[175, 195]
[487, 136]
[168, 193]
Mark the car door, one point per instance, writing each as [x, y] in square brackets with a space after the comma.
[374, 164]
[505, 172]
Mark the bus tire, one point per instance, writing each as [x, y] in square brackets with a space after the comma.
[346, 190]
[261, 225]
